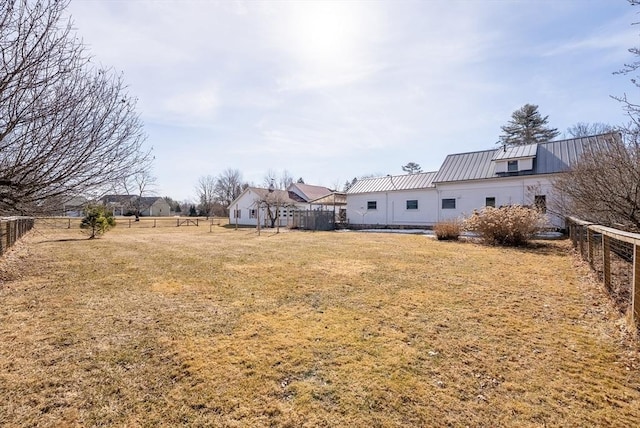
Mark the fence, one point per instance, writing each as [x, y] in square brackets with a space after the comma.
[11, 229]
[313, 220]
[131, 223]
[615, 257]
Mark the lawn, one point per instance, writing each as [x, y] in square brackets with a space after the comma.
[210, 326]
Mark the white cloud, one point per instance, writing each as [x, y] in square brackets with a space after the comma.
[337, 89]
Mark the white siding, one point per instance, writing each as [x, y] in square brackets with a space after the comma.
[471, 195]
[248, 201]
[245, 203]
[523, 164]
[391, 208]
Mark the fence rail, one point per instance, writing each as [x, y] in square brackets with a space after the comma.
[131, 223]
[12, 229]
[615, 257]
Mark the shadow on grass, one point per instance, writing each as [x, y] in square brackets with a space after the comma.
[553, 247]
[547, 248]
[65, 240]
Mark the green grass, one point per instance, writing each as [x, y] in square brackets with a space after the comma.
[183, 326]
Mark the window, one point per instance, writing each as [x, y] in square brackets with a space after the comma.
[372, 205]
[449, 204]
[412, 204]
[236, 213]
[253, 213]
[512, 166]
[540, 202]
[490, 202]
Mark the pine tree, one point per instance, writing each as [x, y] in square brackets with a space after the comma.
[412, 168]
[527, 126]
[97, 220]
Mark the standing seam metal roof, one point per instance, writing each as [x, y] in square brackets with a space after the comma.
[516, 152]
[390, 183]
[551, 157]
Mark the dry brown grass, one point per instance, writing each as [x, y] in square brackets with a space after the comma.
[182, 326]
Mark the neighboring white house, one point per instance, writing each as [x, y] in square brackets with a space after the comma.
[467, 182]
[252, 204]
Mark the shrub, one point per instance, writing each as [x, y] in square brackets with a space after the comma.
[512, 225]
[448, 230]
[97, 220]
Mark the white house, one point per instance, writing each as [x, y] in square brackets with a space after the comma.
[401, 200]
[252, 204]
[469, 181]
[151, 206]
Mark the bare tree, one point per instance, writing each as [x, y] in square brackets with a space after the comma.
[139, 185]
[285, 180]
[632, 108]
[604, 185]
[582, 129]
[273, 201]
[276, 198]
[66, 127]
[206, 193]
[228, 187]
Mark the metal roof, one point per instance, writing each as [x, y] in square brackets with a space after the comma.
[311, 192]
[551, 157]
[332, 199]
[390, 183]
[516, 152]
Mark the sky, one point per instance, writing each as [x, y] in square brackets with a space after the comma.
[332, 90]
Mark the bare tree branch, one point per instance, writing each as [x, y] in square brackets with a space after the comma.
[66, 127]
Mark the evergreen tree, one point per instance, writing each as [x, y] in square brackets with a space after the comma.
[349, 183]
[412, 168]
[97, 220]
[527, 126]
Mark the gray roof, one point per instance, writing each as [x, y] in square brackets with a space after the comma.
[311, 192]
[390, 183]
[282, 196]
[516, 152]
[551, 157]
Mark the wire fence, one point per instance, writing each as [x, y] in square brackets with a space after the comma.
[12, 229]
[132, 223]
[614, 255]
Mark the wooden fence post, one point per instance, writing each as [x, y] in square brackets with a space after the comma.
[590, 247]
[635, 310]
[606, 262]
[8, 233]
